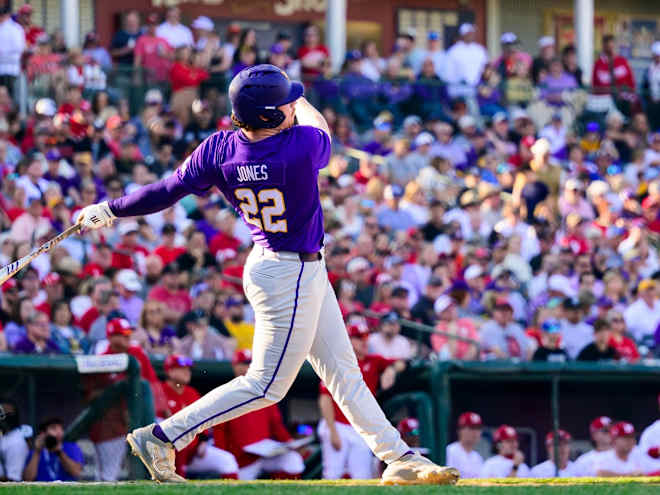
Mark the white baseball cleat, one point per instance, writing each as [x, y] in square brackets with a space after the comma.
[413, 469]
[156, 455]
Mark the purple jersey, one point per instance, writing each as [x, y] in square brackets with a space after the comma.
[272, 183]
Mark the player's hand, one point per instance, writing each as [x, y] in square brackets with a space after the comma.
[39, 441]
[388, 378]
[96, 216]
[335, 440]
[654, 452]
[518, 458]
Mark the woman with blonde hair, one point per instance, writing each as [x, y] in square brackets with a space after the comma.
[152, 335]
[414, 202]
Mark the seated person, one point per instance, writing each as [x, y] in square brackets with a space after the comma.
[509, 462]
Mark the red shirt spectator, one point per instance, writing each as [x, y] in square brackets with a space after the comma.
[153, 53]
[611, 70]
[624, 347]
[312, 55]
[183, 75]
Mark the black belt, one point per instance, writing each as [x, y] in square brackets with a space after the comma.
[310, 256]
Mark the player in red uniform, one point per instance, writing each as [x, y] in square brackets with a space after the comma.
[344, 450]
[266, 423]
[198, 458]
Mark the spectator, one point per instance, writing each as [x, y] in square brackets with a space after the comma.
[391, 216]
[53, 459]
[175, 33]
[575, 333]
[152, 334]
[548, 469]
[312, 54]
[611, 72]
[373, 65]
[31, 225]
[569, 61]
[201, 342]
[599, 429]
[643, 315]
[501, 337]
[16, 328]
[69, 338]
[93, 49]
[624, 459]
[122, 47]
[176, 300]
[12, 46]
[624, 346]
[129, 286]
[550, 349]
[238, 434]
[466, 57]
[509, 462]
[462, 454]
[600, 349]
[343, 449]
[388, 342]
[236, 325]
[14, 449]
[200, 457]
[448, 322]
[38, 336]
[153, 53]
[541, 64]
[186, 74]
[651, 83]
[32, 31]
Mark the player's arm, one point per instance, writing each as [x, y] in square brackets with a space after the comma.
[328, 413]
[308, 115]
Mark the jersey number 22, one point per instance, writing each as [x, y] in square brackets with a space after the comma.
[260, 209]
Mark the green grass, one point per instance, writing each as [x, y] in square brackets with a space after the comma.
[574, 486]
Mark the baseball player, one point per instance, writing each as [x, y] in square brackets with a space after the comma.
[254, 427]
[509, 462]
[649, 444]
[409, 429]
[624, 459]
[198, 457]
[344, 450]
[548, 468]
[268, 170]
[461, 454]
[602, 440]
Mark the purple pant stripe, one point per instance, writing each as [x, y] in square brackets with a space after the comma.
[279, 363]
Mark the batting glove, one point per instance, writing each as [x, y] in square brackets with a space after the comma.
[96, 216]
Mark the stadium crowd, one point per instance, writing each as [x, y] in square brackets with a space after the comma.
[510, 210]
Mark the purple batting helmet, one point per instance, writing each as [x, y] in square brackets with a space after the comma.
[256, 92]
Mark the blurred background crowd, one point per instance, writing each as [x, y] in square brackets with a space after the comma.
[476, 208]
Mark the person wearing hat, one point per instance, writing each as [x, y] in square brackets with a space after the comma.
[201, 126]
[599, 430]
[201, 457]
[54, 289]
[550, 349]
[624, 459]
[541, 63]
[467, 57]
[600, 349]
[643, 316]
[238, 434]
[501, 337]
[435, 53]
[513, 62]
[390, 216]
[32, 31]
[177, 300]
[649, 445]
[572, 200]
[388, 342]
[200, 341]
[409, 429]
[448, 322]
[129, 286]
[398, 168]
[128, 253]
[548, 469]
[343, 449]
[423, 310]
[94, 51]
[575, 332]
[509, 462]
[461, 454]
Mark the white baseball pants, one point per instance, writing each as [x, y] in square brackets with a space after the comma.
[297, 317]
[291, 463]
[215, 460]
[110, 456]
[354, 457]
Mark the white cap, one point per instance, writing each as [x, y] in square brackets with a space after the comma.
[519, 113]
[540, 147]
[203, 23]
[423, 138]
[128, 227]
[153, 96]
[472, 272]
[546, 41]
[598, 188]
[466, 28]
[467, 121]
[560, 283]
[129, 280]
[442, 303]
[346, 180]
[572, 184]
[508, 38]
[655, 48]
[357, 264]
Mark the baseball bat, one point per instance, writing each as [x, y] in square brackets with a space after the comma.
[8, 271]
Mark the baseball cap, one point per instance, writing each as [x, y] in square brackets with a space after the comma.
[390, 317]
[466, 28]
[472, 272]
[600, 423]
[470, 419]
[546, 41]
[393, 191]
[423, 138]
[118, 326]
[502, 303]
[560, 283]
[51, 279]
[505, 432]
[411, 120]
[408, 426]
[433, 36]
[646, 284]
[9, 285]
[242, 356]
[129, 280]
[128, 227]
[357, 264]
[194, 316]
[622, 429]
[358, 330]
[442, 303]
[353, 55]
[551, 325]
[563, 435]
[508, 38]
[26, 9]
[203, 23]
[467, 121]
[177, 361]
[573, 185]
[153, 97]
[499, 117]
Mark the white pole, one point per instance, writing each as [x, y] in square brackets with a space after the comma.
[584, 36]
[70, 15]
[493, 27]
[335, 32]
